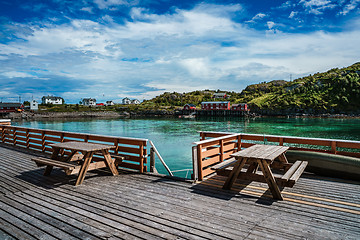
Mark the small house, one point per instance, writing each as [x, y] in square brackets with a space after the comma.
[215, 105]
[34, 105]
[240, 107]
[100, 104]
[110, 103]
[221, 95]
[135, 101]
[52, 100]
[126, 101]
[89, 101]
[11, 107]
[189, 107]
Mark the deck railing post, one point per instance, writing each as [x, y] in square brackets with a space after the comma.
[199, 162]
[333, 147]
[152, 161]
[221, 150]
[195, 175]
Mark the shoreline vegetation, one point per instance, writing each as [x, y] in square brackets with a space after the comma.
[332, 94]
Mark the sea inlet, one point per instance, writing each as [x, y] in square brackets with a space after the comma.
[174, 137]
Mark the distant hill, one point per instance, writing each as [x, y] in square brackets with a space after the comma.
[334, 91]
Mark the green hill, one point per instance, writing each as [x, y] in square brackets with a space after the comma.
[334, 91]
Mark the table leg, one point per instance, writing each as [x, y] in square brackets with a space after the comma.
[84, 167]
[54, 156]
[109, 162]
[269, 177]
[283, 158]
[234, 174]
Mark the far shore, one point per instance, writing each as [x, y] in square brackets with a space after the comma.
[148, 113]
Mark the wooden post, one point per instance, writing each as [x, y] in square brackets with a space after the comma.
[281, 141]
[142, 158]
[195, 175]
[27, 138]
[14, 136]
[333, 147]
[152, 161]
[199, 162]
[43, 141]
[221, 150]
[239, 142]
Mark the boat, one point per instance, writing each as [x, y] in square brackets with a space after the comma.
[325, 164]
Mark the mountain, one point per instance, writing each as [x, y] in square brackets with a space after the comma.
[334, 91]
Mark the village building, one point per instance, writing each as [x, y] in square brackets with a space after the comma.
[215, 105]
[11, 107]
[135, 101]
[221, 95]
[110, 103]
[89, 101]
[189, 107]
[52, 100]
[126, 101]
[34, 105]
[240, 107]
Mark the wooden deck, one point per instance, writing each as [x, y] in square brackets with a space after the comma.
[139, 206]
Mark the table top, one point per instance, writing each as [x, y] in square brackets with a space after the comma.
[82, 146]
[259, 151]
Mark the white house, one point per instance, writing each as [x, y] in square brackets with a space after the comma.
[34, 105]
[52, 100]
[135, 101]
[110, 103]
[89, 101]
[126, 101]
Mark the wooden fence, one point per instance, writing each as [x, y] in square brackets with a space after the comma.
[133, 149]
[215, 147]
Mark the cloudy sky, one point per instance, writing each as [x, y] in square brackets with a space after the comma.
[111, 49]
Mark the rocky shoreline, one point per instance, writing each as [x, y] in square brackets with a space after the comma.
[151, 113]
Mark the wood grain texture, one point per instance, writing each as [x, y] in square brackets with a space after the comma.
[139, 206]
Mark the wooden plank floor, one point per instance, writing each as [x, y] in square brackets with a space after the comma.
[135, 206]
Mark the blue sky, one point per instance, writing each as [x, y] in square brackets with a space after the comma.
[111, 49]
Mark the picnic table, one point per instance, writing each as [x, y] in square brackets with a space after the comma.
[266, 157]
[75, 163]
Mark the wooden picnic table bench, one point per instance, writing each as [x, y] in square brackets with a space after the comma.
[267, 157]
[76, 163]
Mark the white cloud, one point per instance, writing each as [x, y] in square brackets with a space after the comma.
[270, 24]
[183, 51]
[293, 14]
[15, 74]
[350, 6]
[257, 17]
[87, 9]
[315, 3]
[103, 4]
[317, 7]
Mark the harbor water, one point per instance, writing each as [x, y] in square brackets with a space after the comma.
[174, 137]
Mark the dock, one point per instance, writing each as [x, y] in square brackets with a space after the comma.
[136, 205]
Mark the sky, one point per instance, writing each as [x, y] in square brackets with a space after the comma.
[112, 49]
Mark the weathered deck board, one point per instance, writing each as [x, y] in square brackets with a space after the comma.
[135, 206]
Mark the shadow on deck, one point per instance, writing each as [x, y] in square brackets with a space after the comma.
[141, 206]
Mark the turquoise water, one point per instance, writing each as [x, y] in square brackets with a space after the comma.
[174, 137]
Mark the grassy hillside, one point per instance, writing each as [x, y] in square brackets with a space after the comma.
[337, 90]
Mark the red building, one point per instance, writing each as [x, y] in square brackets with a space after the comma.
[240, 107]
[215, 105]
[11, 107]
[189, 107]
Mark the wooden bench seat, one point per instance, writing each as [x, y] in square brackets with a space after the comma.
[287, 180]
[224, 165]
[69, 167]
[294, 172]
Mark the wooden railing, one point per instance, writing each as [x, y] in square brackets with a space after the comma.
[133, 149]
[215, 147]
